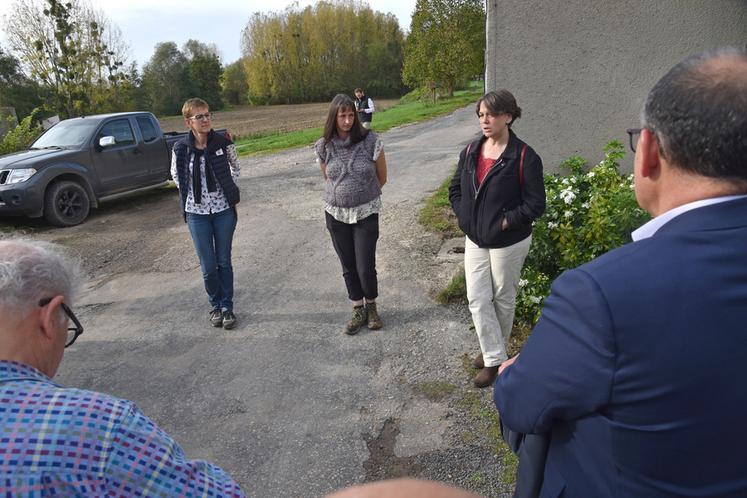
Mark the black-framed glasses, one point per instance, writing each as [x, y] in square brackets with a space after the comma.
[633, 133]
[72, 332]
[202, 117]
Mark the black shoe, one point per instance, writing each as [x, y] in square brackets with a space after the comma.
[229, 319]
[216, 317]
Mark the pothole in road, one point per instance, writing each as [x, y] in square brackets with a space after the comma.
[382, 462]
[452, 250]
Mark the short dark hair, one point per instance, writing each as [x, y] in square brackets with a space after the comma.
[342, 101]
[358, 90]
[698, 112]
[500, 102]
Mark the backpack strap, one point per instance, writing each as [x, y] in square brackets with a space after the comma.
[521, 166]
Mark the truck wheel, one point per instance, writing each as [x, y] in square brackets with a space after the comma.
[66, 204]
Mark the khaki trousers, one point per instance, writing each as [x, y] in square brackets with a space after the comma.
[492, 277]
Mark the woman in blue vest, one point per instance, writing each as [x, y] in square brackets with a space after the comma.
[205, 167]
[354, 167]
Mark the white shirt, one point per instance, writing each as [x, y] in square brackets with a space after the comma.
[654, 225]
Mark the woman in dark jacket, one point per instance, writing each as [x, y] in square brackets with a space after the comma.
[352, 162]
[496, 193]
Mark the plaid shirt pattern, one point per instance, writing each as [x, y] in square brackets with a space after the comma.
[57, 441]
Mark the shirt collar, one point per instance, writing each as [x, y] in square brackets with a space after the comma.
[650, 228]
[13, 370]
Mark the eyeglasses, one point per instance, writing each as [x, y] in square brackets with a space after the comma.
[633, 133]
[72, 332]
[202, 117]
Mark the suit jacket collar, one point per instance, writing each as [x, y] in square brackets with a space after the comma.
[720, 216]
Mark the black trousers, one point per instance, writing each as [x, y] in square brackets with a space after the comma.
[532, 452]
[355, 245]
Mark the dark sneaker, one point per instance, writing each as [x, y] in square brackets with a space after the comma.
[216, 318]
[356, 321]
[229, 319]
[486, 377]
[374, 322]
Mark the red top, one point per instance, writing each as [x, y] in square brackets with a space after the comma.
[483, 166]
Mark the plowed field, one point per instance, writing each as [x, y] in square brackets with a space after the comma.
[245, 120]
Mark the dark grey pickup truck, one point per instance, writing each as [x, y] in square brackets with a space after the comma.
[81, 162]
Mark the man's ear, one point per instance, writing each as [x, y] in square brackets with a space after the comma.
[49, 318]
[650, 159]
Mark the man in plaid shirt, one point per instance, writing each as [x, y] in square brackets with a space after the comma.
[59, 441]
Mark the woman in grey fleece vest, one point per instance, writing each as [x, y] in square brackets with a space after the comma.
[354, 167]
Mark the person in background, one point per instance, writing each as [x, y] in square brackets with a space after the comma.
[497, 192]
[62, 441]
[635, 369]
[205, 167]
[352, 162]
[365, 107]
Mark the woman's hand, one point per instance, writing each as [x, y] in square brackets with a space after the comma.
[381, 169]
[504, 224]
[323, 167]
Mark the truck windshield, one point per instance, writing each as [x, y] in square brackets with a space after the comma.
[68, 133]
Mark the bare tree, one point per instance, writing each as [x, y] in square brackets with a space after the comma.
[64, 47]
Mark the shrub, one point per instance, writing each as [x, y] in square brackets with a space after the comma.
[20, 137]
[588, 213]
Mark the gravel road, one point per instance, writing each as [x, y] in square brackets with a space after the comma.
[285, 402]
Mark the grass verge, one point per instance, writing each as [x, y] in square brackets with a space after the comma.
[488, 418]
[405, 112]
[437, 215]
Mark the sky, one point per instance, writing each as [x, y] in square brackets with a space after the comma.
[144, 23]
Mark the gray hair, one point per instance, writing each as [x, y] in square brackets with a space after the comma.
[698, 112]
[33, 270]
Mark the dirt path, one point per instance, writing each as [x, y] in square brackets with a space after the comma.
[285, 402]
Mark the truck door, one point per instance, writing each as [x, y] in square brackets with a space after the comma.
[153, 150]
[119, 166]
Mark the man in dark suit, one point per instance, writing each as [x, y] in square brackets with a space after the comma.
[636, 369]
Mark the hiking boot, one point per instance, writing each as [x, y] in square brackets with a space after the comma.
[356, 321]
[229, 319]
[486, 376]
[216, 317]
[478, 362]
[374, 322]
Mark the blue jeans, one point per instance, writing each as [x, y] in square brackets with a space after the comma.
[212, 235]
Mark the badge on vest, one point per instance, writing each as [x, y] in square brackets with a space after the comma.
[219, 152]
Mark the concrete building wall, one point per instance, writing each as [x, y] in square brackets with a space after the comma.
[581, 69]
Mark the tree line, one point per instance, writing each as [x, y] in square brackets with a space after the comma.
[69, 59]
[314, 53]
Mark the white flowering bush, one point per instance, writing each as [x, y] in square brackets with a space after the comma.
[588, 213]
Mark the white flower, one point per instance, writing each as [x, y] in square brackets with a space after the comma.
[535, 299]
[568, 214]
[590, 174]
[585, 205]
[552, 224]
[523, 282]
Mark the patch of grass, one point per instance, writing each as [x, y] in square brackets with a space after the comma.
[271, 142]
[473, 405]
[436, 390]
[437, 215]
[477, 478]
[397, 115]
[455, 292]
